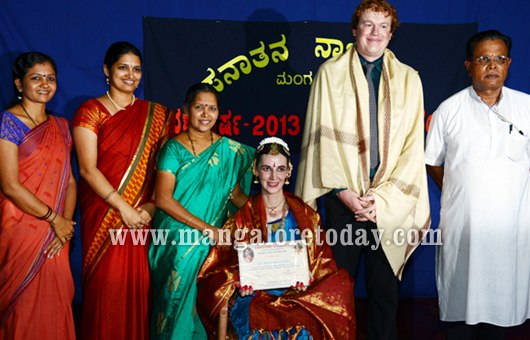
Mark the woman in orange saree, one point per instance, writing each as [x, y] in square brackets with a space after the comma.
[117, 137]
[37, 201]
[322, 310]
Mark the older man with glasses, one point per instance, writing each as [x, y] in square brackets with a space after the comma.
[478, 148]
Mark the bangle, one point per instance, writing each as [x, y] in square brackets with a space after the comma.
[47, 215]
[53, 219]
[108, 195]
[188, 220]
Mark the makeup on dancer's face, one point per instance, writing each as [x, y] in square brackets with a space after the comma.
[278, 169]
[273, 171]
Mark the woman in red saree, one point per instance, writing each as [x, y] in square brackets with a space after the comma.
[322, 310]
[37, 201]
[117, 137]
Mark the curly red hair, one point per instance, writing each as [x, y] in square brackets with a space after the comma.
[380, 6]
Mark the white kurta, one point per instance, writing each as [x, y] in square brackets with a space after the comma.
[483, 266]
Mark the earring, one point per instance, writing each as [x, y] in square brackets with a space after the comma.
[107, 80]
[287, 181]
[255, 181]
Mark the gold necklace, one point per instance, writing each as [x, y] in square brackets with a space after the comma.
[193, 146]
[116, 106]
[275, 226]
[272, 210]
[23, 108]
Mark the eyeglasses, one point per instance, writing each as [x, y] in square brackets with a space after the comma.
[486, 60]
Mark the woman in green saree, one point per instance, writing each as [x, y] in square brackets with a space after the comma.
[199, 175]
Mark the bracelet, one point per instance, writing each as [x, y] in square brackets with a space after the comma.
[188, 220]
[47, 215]
[53, 219]
[108, 195]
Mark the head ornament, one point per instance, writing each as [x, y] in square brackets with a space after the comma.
[275, 141]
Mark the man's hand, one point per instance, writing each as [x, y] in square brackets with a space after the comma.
[351, 200]
[368, 212]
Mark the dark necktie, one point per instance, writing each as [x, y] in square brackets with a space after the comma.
[374, 153]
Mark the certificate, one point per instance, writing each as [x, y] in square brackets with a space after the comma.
[273, 265]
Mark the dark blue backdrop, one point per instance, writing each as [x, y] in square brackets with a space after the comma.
[257, 99]
[76, 35]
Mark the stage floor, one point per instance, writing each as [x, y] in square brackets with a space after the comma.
[418, 320]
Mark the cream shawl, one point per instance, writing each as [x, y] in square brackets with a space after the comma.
[336, 144]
